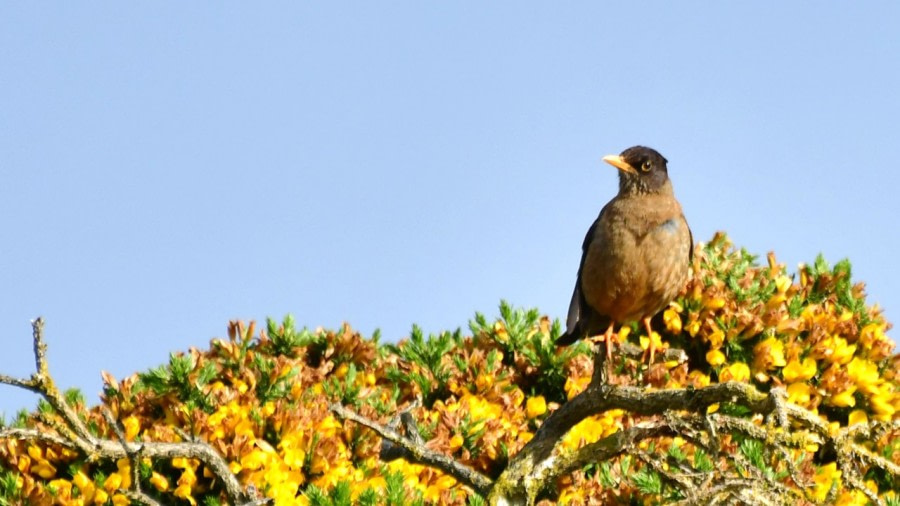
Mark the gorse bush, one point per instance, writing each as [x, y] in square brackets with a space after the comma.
[261, 400]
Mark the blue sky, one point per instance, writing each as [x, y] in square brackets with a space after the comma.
[167, 167]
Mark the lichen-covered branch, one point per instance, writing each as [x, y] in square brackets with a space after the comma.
[419, 453]
[623, 441]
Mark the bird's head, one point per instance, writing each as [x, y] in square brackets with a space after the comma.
[641, 170]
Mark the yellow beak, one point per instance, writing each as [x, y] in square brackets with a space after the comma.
[618, 162]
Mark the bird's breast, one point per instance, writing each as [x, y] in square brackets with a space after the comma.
[638, 260]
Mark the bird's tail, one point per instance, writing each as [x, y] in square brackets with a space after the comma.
[570, 336]
[589, 323]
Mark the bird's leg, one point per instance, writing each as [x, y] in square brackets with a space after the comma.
[608, 337]
[652, 346]
[602, 359]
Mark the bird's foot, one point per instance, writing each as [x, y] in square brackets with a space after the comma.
[651, 342]
[607, 338]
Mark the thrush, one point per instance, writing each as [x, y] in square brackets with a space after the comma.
[636, 256]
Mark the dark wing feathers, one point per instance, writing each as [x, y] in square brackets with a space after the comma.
[578, 307]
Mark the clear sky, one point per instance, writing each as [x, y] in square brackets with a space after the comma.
[168, 166]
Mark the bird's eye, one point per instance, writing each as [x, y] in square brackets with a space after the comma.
[646, 166]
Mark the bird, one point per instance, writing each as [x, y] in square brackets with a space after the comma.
[636, 256]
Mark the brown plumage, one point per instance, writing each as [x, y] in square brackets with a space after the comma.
[637, 254]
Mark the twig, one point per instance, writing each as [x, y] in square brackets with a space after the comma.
[141, 498]
[419, 453]
[133, 452]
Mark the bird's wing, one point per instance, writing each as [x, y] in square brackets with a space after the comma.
[574, 309]
[578, 306]
[691, 245]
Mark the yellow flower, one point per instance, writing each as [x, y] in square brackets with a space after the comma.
[433, 492]
[872, 333]
[799, 393]
[837, 350]
[769, 353]
[297, 390]
[500, 332]
[256, 459]
[716, 339]
[782, 283]
[712, 408]
[797, 371]
[535, 406]
[587, 431]
[825, 477]
[159, 481]
[245, 428]
[852, 498]
[84, 484]
[645, 341]
[62, 488]
[101, 497]
[481, 409]
[865, 374]
[484, 381]
[35, 452]
[284, 492]
[132, 427]
[121, 500]
[24, 463]
[693, 327]
[844, 399]
[672, 320]
[44, 469]
[882, 403]
[294, 458]
[124, 466]
[737, 371]
[455, 442]
[328, 426]
[715, 357]
[857, 416]
[698, 379]
[714, 303]
[576, 385]
[188, 477]
[113, 482]
[184, 492]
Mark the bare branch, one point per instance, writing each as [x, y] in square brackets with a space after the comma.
[419, 453]
[133, 452]
[36, 435]
[141, 498]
